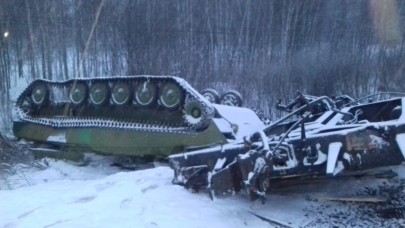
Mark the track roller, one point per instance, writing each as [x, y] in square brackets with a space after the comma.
[40, 94]
[99, 93]
[170, 95]
[121, 93]
[78, 93]
[145, 94]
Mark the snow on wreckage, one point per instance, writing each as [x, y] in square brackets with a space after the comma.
[217, 147]
[330, 136]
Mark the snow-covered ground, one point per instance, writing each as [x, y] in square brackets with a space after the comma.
[99, 195]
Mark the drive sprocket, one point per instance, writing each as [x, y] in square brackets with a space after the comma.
[196, 114]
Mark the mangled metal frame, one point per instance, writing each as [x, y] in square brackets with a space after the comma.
[324, 140]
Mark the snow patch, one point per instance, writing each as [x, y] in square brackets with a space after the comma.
[98, 195]
[245, 120]
[145, 198]
[60, 138]
[333, 153]
[401, 143]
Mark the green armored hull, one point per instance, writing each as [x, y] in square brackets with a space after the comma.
[118, 141]
[137, 115]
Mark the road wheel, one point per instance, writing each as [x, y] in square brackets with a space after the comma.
[170, 96]
[40, 94]
[145, 94]
[121, 93]
[78, 93]
[99, 93]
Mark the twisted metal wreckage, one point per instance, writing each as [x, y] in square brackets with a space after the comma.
[223, 147]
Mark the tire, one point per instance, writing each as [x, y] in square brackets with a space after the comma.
[211, 95]
[231, 98]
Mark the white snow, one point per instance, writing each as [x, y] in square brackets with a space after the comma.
[333, 152]
[246, 122]
[401, 143]
[65, 195]
[219, 164]
[98, 195]
[61, 138]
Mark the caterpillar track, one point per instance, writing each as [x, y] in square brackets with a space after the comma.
[131, 115]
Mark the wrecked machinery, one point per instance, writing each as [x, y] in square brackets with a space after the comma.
[126, 116]
[212, 143]
[318, 137]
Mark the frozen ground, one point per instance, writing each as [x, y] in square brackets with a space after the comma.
[98, 195]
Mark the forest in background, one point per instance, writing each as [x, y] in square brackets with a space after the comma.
[266, 49]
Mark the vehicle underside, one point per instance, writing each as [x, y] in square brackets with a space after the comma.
[132, 116]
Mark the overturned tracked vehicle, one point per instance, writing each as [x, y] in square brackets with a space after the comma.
[134, 115]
